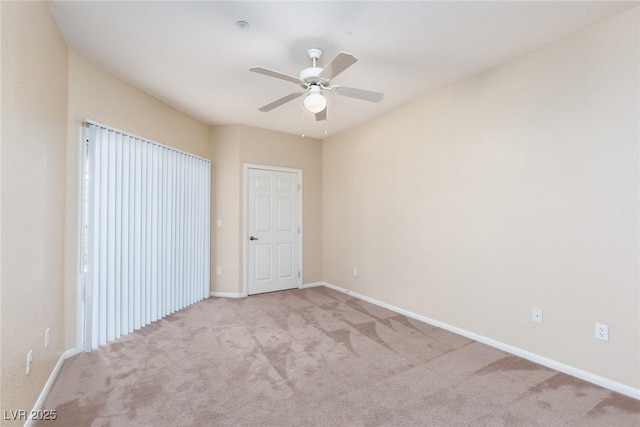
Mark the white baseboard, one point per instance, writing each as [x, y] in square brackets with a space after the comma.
[52, 379]
[311, 285]
[550, 363]
[238, 295]
[227, 294]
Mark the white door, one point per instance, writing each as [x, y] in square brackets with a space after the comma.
[273, 230]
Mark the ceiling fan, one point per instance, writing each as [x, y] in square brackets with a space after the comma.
[315, 81]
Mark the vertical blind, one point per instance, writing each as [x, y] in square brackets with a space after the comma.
[147, 222]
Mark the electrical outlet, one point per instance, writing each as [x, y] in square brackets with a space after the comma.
[29, 360]
[46, 337]
[536, 315]
[602, 332]
[355, 271]
[219, 271]
[218, 222]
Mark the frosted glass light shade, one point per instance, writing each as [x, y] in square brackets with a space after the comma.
[315, 101]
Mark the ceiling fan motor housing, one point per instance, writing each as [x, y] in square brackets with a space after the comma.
[310, 76]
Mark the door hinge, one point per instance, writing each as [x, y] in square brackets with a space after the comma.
[298, 230]
[298, 274]
[298, 187]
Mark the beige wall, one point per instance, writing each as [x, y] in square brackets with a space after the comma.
[227, 252]
[516, 188]
[97, 95]
[34, 107]
[235, 145]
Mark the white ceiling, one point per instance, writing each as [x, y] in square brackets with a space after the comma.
[194, 57]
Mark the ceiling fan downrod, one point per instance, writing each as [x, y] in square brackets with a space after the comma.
[314, 54]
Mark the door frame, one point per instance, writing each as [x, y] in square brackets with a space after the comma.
[245, 222]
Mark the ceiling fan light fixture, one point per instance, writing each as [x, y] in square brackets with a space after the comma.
[315, 102]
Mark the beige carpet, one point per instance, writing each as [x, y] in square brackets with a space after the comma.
[316, 357]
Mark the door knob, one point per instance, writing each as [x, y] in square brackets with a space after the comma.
[253, 238]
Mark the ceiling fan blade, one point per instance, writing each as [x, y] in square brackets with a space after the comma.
[341, 62]
[276, 74]
[351, 92]
[279, 102]
[322, 115]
